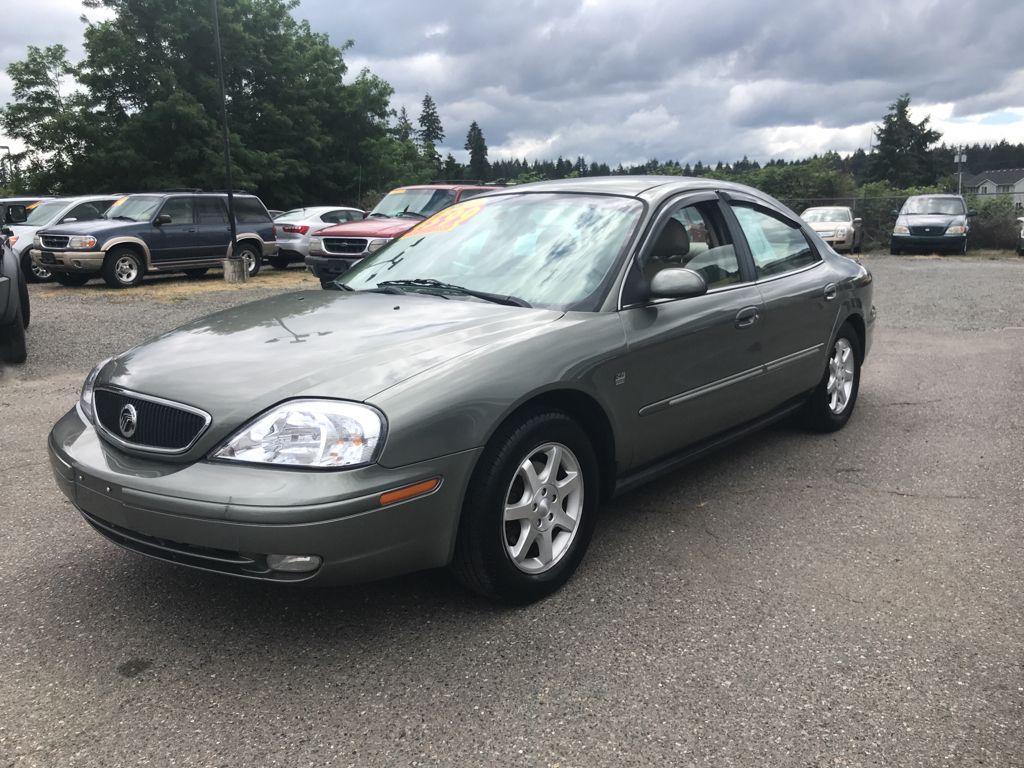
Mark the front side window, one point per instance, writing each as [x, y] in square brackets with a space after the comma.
[413, 203]
[134, 208]
[694, 237]
[776, 245]
[87, 211]
[179, 209]
[551, 250]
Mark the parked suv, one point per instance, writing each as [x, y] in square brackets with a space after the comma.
[163, 232]
[333, 250]
[933, 223]
[45, 213]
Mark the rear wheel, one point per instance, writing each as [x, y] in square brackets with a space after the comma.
[71, 278]
[530, 510]
[13, 348]
[123, 268]
[829, 408]
[252, 257]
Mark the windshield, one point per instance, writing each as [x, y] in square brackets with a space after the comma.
[136, 208]
[950, 206]
[419, 202]
[550, 250]
[44, 213]
[815, 215]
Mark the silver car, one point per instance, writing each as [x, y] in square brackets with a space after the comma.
[60, 210]
[295, 227]
[471, 393]
[837, 226]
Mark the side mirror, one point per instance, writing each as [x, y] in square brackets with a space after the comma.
[894, 212]
[972, 213]
[677, 283]
[858, 221]
[163, 218]
[17, 214]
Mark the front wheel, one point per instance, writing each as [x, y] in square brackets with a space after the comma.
[123, 268]
[530, 510]
[831, 404]
[33, 272]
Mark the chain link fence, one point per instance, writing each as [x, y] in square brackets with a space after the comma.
[995, 226]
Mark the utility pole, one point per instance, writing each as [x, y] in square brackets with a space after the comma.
[960, 158]
[234, 270]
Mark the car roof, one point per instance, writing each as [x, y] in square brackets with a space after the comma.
[453, 186]
[315, 208]
[939, 194]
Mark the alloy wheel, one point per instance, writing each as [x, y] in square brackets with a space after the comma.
[840, 376]
[127, 269]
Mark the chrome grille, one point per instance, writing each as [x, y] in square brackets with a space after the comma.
[927, 230]
[345, 246]
[54, 241]
[158, 425]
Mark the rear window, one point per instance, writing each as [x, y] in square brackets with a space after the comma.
[249, 210]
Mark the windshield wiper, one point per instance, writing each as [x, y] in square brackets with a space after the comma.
[122, 218]
[382, 215]
[425, 282]
[412, 213]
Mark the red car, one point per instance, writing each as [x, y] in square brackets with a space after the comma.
[334, 249]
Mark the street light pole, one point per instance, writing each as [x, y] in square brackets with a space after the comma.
[234, 270]
[960, 159]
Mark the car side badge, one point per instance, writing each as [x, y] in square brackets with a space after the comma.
[620, 378]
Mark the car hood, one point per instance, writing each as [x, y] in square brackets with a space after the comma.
[94, 227]
[237, 363]
[378, 226]
[931, 220]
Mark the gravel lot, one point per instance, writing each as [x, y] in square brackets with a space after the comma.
[850, 600]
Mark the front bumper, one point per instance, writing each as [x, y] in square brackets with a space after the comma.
[838, 242]
[226, 518]
[933, 243]
[67, 261]
[329, 267]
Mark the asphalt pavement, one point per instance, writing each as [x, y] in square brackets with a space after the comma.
[796, 600]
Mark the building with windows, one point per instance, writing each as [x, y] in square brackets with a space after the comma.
[1009, 181]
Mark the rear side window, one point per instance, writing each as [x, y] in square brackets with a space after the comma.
[179, 209]
[210, 210]
[776, 245]
[249, 210]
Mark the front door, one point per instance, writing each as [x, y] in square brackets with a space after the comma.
[174, 241]
[692, 368]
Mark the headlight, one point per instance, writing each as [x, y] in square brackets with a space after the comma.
[85, 399]
[901, 229]
[81, 241]
[956, 229]
[316, 244]
[376, 244]
[309, 433]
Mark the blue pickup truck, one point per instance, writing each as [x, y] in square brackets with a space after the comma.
[156, 233]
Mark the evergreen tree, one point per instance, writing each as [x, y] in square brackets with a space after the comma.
[902, 155]
[431, 132]
[477, 147]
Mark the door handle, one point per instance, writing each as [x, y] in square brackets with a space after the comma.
[831, 291]
[746, 317]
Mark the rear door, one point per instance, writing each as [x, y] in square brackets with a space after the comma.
[692, 368]
[212, 230]
[798, 292]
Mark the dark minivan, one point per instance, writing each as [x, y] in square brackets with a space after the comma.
[164, 232]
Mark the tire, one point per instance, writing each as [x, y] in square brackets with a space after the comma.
[963, 248]
[123, 268]
[485, 559]
[73, 279]
[13, 348]
[832, 403]
[26, 306]
[252, 256]
[33, 272]
[195, 274]
[279, 262]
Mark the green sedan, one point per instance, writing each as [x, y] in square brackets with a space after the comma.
[469, 395]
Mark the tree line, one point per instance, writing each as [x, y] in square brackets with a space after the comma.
[141, 112]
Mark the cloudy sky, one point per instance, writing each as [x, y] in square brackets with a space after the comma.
[627, 80]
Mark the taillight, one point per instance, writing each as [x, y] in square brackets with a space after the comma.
[300, 230]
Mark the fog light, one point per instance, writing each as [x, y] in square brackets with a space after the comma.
[294, 563]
